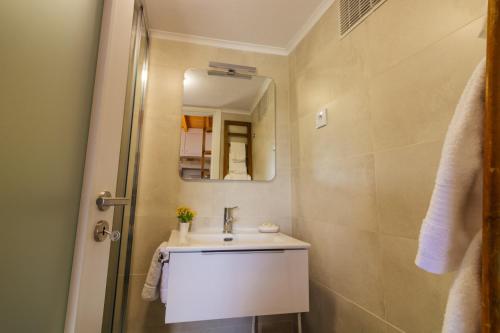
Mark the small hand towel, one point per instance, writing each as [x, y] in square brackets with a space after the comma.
[454, 214]
[164, 283]
[150, 291]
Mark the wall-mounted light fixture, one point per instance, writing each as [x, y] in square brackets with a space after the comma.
[231, 70]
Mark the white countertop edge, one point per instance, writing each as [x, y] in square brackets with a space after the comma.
[293, 244]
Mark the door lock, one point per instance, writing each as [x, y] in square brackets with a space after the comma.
[102, 230]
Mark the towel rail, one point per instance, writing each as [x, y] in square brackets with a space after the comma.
[491, 177]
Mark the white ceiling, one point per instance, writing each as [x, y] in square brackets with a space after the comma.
[271, 26]
[219, 92]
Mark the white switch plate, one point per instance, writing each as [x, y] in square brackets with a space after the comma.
[322, 118]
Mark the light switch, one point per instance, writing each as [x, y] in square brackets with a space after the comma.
[322, 118]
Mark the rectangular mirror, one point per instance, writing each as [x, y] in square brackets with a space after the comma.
[227, 127]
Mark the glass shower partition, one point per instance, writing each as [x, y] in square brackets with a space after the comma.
[120, 253]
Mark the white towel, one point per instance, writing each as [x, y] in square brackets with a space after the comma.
[233, 176]
[239, 168]
[454, 214]
[164, 283]
[237, 151]
[237, 162]
[463, 311]
[151, 289]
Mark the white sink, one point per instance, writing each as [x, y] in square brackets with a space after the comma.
[235, 241]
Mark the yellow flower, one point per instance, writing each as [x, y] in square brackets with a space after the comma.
[185, 214]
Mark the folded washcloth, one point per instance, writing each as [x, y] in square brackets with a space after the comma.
[454, 214]
[151, 289]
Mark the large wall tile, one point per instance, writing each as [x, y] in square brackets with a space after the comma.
[163, 95]
[345, 197]
[401, 28]
[332, 313]
[413, 102]
[405, 179]
[321, 317]
[355, 266]
[315, 86]
[347, 133]
[414, 299]
[322, 34]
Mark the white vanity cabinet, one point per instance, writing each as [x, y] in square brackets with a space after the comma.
[233, 282]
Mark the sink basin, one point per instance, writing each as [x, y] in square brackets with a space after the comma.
[235, 241]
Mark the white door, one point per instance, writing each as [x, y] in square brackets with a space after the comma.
[90, 260]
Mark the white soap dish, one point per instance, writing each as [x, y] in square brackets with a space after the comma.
[269, 228]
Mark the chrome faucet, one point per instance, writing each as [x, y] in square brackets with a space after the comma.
[228, 220]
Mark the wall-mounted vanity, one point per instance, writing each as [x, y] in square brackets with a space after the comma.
[216, 276]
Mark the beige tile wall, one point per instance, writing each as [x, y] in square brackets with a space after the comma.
[263, 120]
[161, 189]
[361, 185]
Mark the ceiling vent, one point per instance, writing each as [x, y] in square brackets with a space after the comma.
[353, 12]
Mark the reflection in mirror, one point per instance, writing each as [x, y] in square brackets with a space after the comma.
[227, 127]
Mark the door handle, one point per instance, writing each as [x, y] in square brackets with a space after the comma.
[105, 200]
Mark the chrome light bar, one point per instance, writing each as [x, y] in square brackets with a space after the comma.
[232, 67]
[231, 70]
[229, 73]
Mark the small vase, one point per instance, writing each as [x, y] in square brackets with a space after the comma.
[183, 231]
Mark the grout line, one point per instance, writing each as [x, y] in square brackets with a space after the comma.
[400, 61]
[361, 307]
[411, 145]
[386, 234]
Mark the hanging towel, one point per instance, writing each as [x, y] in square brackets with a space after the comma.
[239, 168]
[237, 152]
[237, 162]
[234, 176]
[463, 311]
[151, 289]
[164, 283]
[447, 239]
[454, 214]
